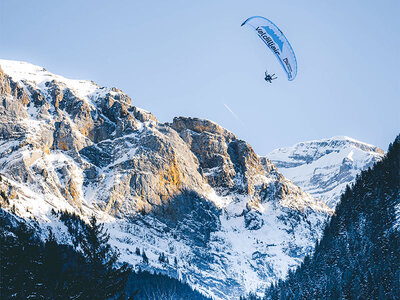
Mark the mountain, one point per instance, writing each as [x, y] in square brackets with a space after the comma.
[323, 168]
[359, 254]
[192, 196]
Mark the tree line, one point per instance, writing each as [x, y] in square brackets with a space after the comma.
[31, 268]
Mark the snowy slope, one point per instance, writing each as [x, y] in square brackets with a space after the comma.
[323, 168]
[28, 74]
[189, 189]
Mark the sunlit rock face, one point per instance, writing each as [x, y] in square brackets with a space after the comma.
[226, 219]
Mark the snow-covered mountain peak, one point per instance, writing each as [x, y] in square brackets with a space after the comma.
[306, 152]
[324, 167]
[26, 73]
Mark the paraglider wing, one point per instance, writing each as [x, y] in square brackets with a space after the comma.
[273, 37]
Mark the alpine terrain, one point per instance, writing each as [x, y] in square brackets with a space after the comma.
[323, 168]
[187, 198]
[359, 254]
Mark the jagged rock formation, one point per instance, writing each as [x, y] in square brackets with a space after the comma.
[190, 189]
[323, 168]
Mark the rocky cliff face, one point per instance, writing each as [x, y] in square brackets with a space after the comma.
[323, 168]
[189, 189]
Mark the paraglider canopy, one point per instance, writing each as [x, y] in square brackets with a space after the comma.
[273, 37]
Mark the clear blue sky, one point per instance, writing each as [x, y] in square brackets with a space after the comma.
[189, 58]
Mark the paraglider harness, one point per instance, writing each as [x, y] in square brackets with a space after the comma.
[268, 77]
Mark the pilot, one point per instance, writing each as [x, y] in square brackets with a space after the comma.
[268, 77]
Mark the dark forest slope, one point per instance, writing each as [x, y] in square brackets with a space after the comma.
[359, 254]
[31, 268]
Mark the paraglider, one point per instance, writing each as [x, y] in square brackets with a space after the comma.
[268, 77]
[273, 37]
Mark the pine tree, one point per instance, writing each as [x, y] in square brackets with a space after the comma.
[175, 262]
[105, 279]
[145, 258]
[161, 258]
[52, 267]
